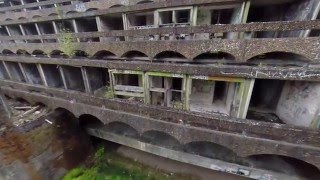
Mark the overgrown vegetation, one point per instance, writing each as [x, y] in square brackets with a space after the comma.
[178, 105]
[67, 40]
[112, 166]
[109, 93]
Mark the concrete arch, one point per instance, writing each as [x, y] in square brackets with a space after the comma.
[92, 9]
[38, 52]
[57, 53]
[7, 51]
[71, 12]
[53, 14]
[218, 55]
[212, 150]
[279, 55]
[22, 18]
[169, 55]
[8, 19]
[80, 53]
[66, 109]
[88, 119]
[144, 1]
[22, 52]
[134, 54]
[103, 54]
[122, 128]
[284, 164]
[161, 139]
[36, 16]
[116, 5]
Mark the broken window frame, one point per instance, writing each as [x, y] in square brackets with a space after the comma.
[127, 90]
[242, 96]
[165, 90]
[174, 23]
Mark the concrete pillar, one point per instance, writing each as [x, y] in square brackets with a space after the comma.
[63, 77]
[7, 69]
[24, 73]
[86, 80]
[43, 78]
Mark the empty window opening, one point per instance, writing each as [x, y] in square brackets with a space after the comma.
[65, 26]
[14, 30]
[221, 16]
[264, 100]
[46, 6]
[183, 16]
[52, 75]
[140, 20]
[98, 78]
[111, 22]
[212, 96]
[31, 1]
[166, 91]
[128, 86]
[73, 77]
[32, 73]
[15, 71]
[166, 17]
[3, 72]
[46, 28]
[87, 25]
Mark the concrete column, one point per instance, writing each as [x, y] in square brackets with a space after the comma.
[7, 69]
[75, 27]
[86, 80]
[24, 73]
[63, 77]
[43, 78]
[38, 31]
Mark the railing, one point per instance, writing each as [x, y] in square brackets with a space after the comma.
[221, 28]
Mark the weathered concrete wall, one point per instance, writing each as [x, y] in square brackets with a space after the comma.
[299, 103]
[300, 11]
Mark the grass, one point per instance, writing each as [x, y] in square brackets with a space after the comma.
[112, 166]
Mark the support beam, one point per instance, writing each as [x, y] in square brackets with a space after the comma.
[43, 78]
[86, 80]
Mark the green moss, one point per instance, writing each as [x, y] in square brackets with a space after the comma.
[67, 40]
[178, 105]
[112, 166]
[109, 93]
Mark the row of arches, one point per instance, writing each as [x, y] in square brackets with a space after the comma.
[93, 6]
[280, 163]
[273, 162]
[208, 57]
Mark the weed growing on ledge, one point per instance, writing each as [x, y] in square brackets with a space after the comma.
[67, 42]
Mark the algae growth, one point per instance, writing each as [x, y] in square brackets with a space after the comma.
[112, 166]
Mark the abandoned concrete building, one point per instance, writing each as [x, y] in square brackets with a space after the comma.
[229, 85]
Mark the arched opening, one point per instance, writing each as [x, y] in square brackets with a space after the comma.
[104, 55]
[38, 53]
[58, 54]
[91, 9]
[79, 54]
[212, 150]
[53, 14]
[214, 57]
[36, 16]
[279, 58]
[74, 140]
[23, 52]
[170, 56]
[284, 164]
[7, 52]
[161, 139]
[21, 18]
[122, 129]
[71, 12]
[117, 5]
[89, 120]
[135, 55]
[144, 1]
[8, 19]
